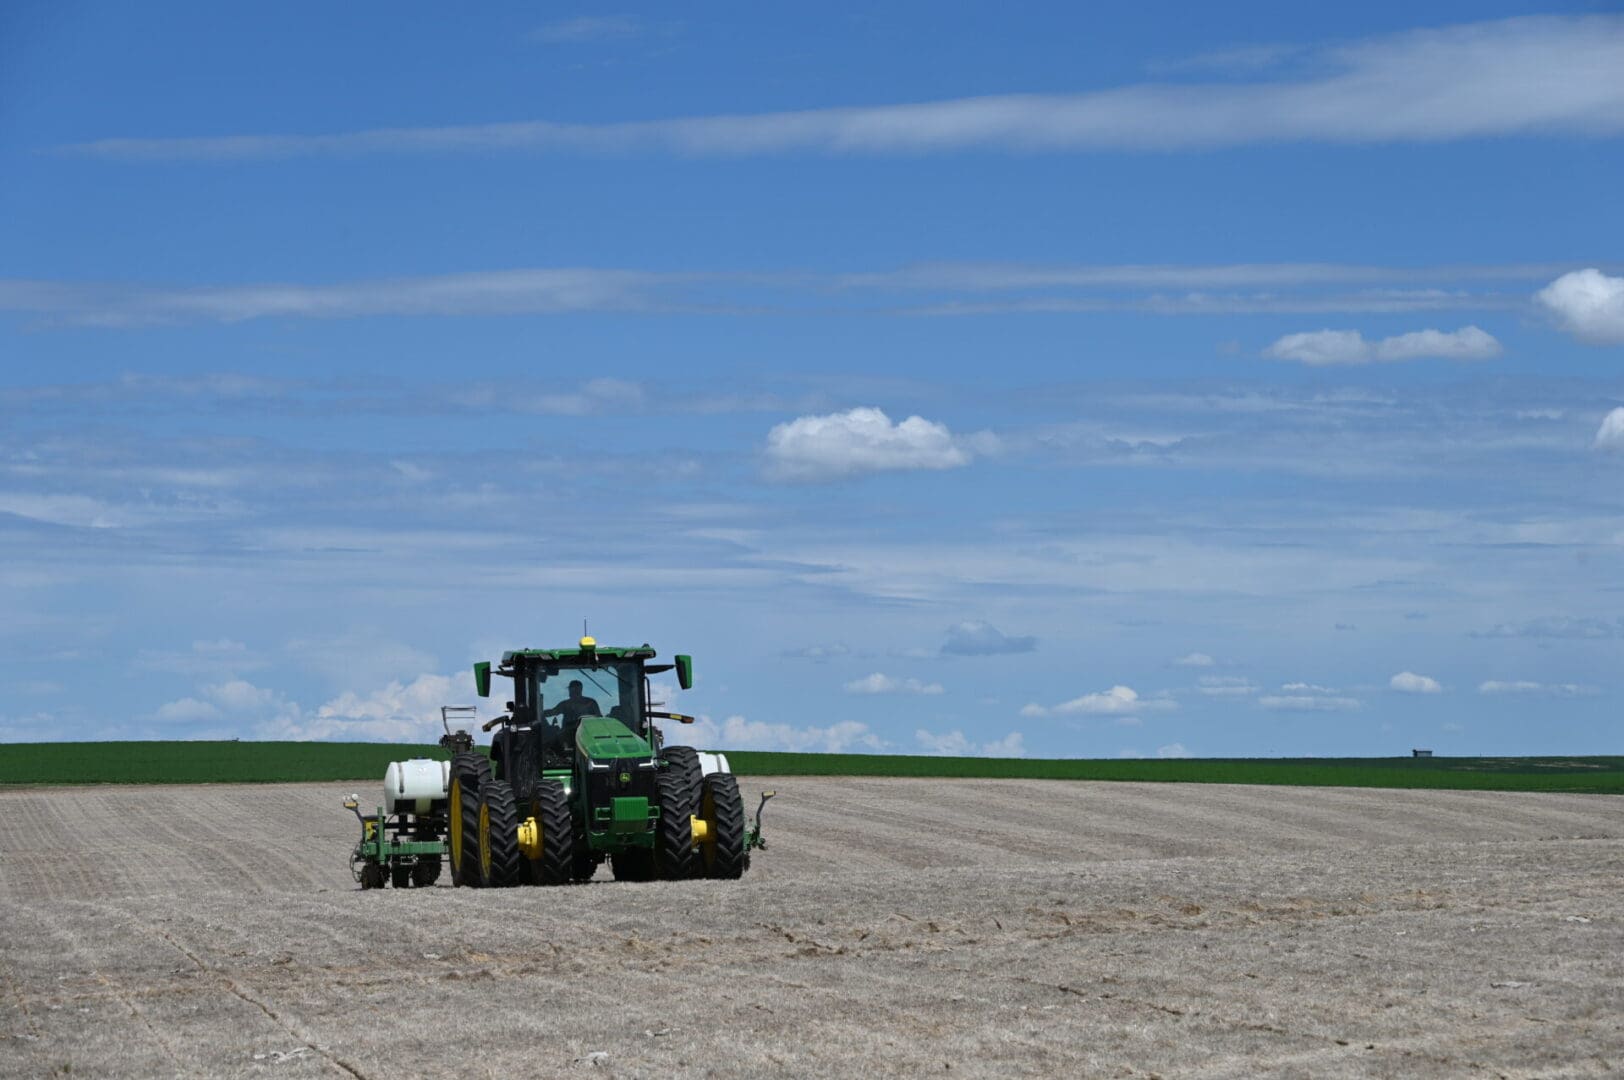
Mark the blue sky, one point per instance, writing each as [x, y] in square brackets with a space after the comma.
[946, 378]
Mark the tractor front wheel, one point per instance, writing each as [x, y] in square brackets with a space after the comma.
[498, 835]
[721, 808]
[684, 761]
[553, 862]
[674, 843]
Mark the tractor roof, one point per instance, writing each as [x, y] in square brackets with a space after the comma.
[585, 653]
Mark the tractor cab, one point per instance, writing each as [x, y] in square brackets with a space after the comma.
[555, 690]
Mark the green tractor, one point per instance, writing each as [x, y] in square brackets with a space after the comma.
[577, 775]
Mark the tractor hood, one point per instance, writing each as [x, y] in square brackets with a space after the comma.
[601, 738]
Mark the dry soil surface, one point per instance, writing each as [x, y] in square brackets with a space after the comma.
[895, 927]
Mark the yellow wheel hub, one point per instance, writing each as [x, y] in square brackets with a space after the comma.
[530, 838]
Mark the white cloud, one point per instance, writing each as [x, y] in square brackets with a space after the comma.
[984, 639]
[957, 744]
[864, 440]
[1225, 686]
[738, 733]
[1172, 750]
[1478, 80]
[1195, 659]
[1587, 304]
[879, 683]
[1408, 682]
[1610, 436]
[185, 710]
[1244, 288]
[1122, 702]
[496, 292]
[400, 711]
[1321, 348]
[1523, 686]
[1306, 697]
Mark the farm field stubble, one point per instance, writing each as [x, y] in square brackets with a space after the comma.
[895, 927]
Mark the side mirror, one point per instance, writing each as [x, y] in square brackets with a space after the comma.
[482, 678]
[685, 671]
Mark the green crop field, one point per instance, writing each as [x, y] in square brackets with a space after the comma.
[280, 762]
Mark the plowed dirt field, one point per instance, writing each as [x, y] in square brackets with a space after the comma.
[895, 927]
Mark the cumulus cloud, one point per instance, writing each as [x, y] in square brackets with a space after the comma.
[865, 440]
[739, 733]
[984, 639]
[1408, 682]
[1122, 702]
[957, 744]
[1320, 348]
[397, 712]
[1195, 659]
[1172, 750]
[1587, 304]
[1610, 436]
[880, 683]
[1477, 80]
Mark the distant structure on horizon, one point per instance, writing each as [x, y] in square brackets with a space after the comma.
[1420, 753]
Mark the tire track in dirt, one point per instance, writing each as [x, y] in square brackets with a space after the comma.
[293, 1028]
[50, 924]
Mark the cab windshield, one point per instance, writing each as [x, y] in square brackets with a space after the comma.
[564, 695]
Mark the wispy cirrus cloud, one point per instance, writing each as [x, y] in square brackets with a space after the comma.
[497, 292]
[942, 289]
[1477, 80]
[589, 28]
[1529, 687]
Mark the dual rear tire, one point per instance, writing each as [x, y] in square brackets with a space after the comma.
[722, 853]
[555, 864]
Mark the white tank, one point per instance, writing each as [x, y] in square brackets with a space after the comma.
[412, 786]
[713, 763]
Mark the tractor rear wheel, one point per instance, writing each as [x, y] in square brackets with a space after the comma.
[636, 864]
[721, 808]
[498, 835]
[469, 770]
[674, 854]
[427, 871]
[556, 834]
[462, 832]
[684, 760]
